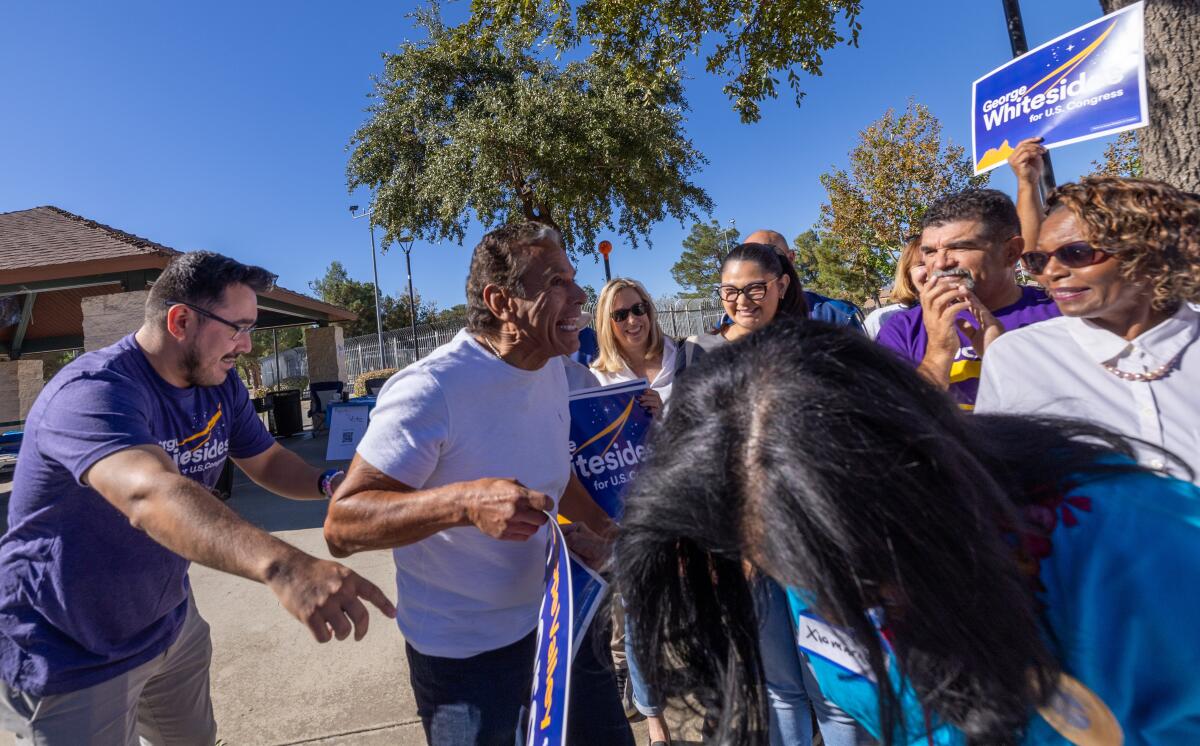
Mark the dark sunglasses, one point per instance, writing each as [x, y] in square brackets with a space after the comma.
[637, 309]
[238, 330]
[1073, 255]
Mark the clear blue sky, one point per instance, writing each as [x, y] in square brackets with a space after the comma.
[224, 125]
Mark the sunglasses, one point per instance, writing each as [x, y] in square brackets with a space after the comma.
[238, 330]
[755, 291]
[637, 309]
[1073, 255]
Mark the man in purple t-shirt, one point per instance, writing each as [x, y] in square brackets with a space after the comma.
[100, 640]
[970, 244]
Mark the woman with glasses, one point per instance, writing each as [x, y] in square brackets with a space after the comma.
[955, 578]
[1121, 259]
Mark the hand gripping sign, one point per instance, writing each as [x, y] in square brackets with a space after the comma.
[1089, 82]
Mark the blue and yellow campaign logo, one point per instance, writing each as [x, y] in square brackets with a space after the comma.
[608, 432]
[551, 696]
[1089, 82]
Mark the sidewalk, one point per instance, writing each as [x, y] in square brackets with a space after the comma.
[272, 684]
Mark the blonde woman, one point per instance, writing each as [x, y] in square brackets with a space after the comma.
[910, 275]
[632, 347]
[631, 344]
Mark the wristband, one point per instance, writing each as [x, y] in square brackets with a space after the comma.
[325, 481]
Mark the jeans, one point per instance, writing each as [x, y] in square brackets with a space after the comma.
[791, 687]
[482, 700]
[643, 699]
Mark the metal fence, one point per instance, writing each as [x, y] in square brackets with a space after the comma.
[679, 318]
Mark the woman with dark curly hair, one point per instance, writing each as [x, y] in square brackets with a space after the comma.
[954, 578]
[1121, 258]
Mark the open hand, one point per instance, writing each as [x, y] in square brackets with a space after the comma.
[325, 595]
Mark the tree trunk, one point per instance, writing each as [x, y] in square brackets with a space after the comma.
[1171, 144]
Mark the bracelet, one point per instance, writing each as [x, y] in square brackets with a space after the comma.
[325, 481]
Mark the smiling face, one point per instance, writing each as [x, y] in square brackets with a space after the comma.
[633, 334]
[965, 245]
[745, 312]
[1099, 291]
[209, 348]
[548, 314]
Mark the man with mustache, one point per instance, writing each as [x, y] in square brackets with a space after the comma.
[100, 638]
[970, 244]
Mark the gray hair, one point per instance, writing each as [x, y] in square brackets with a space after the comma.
[501, 259]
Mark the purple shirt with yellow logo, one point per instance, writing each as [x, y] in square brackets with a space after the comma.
[84, 596]
[904, 332]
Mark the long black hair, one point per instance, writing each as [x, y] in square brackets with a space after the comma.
[834, 468]
[771, 261]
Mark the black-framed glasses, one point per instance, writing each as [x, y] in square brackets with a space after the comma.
[755, 291]
[238, 330]
[637, 309]
[1073, 255]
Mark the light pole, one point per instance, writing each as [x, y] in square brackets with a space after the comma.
[1016, 40]
[406, 243]
[375, 271]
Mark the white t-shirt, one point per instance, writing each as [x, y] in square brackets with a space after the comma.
[876, 319]
[458, 415]
[1055, 367]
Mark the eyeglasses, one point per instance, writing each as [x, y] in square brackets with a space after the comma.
[755, 291]
[637, 309]
[1073, 255]
[238, 330]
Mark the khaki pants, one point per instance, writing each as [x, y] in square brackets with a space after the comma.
[163, 702]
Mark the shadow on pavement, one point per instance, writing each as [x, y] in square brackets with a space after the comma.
[271, 512]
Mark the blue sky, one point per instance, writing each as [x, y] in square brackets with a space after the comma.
[224, 126]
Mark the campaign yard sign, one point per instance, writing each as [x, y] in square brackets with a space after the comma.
[1087, 83]
[608, 432]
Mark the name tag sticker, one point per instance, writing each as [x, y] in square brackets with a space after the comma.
[833, 644]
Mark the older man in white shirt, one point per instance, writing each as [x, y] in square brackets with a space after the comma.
[1121, 258]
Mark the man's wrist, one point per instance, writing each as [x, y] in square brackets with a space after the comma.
[326, 481]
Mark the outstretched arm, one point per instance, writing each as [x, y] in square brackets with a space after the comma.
[179, 513]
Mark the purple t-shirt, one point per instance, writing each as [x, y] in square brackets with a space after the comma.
[84, 596]
[904, 332]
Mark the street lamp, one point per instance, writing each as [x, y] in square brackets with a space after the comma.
[406, 243]
[1016, 40]
[375, 270]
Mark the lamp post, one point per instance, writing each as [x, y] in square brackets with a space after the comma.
[1016, 40]
[605, 249]
[375, 271]
[406, 243]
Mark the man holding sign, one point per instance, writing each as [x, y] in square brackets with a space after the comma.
[463, 461]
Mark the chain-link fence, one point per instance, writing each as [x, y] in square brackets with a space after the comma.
[678, 319]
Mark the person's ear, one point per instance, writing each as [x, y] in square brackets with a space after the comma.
[1013, 249]
[498, 301]
[784, 281]
[179, 320]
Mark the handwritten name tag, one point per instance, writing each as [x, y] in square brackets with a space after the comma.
[833, 644]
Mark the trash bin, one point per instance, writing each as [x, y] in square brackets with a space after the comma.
[283, 412]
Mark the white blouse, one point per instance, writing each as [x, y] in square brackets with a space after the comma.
[1056, 367]
[661, 383]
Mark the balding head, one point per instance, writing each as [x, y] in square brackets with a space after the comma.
[772, 238]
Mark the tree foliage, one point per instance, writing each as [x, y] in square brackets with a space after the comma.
[698, 269]
[1121, 157]
[338, 288]
[748, 42]
[899, 166]
[463, 124]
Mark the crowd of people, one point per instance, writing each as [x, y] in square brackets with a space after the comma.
[973, 518]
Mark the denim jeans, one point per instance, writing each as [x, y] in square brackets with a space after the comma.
[482, 700]
[791, 687]
[643, 699]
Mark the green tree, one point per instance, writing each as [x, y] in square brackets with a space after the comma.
[1121, 157]
[748, 43]
[464, 125]
[338, 288]
[698, 269]
[899, 166]
[592, 295]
